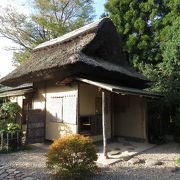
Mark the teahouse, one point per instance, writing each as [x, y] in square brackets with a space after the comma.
[82, 83]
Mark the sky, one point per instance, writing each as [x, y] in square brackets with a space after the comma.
[6, 56]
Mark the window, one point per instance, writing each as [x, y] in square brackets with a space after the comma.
[62, 109]
[91, 125]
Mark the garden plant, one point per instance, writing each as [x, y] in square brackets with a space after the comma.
[10, 130]
[72, 156]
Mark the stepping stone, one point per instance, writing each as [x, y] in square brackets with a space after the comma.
[127, 158]
[2, 176]
[16, 172]
[175, 169]
[152, 162]
[13, 174]
[130, 149]
[114, 152]
[126, 144]
[2, 171]
[10, 170]
[20, 175]
[10, 177]
[121, 140]
[135, 161]
[28, 178]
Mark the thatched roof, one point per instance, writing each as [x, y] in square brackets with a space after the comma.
[93, 50]
[23, 86]
[16, 91]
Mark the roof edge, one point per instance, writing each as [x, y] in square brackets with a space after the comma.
[120, 89]
[94, 26]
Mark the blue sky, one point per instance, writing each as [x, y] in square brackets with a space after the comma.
[99, 7]
[6, 56]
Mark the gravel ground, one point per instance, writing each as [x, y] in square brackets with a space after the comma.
[30, 162]
[33, 162]
[167, 154]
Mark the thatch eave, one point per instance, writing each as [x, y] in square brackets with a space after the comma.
[97, 49]
[80, 69]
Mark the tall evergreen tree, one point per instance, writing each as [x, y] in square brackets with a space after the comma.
[150, 33]
[141, 24]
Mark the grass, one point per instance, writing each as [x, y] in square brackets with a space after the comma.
[178, 161]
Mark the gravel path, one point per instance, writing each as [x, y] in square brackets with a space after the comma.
[32, 162]
[167, 154]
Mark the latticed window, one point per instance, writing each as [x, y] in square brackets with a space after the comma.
[62, 109]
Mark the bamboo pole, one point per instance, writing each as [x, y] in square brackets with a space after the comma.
[104, 125]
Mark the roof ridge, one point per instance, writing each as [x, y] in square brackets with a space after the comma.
[73, 34]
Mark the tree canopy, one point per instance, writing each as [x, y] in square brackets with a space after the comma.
[141, 24]
[150, 34]
[48, 19]
[146, 28]
[169, 69]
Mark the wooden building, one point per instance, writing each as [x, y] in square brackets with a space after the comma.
[78, 80]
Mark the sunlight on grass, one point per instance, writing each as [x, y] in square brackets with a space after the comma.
[178, 161]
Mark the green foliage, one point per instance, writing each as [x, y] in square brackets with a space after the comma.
[9, 111]
[48, 19]
[14, 134]
[8, 114]
[178, 161]
[13, 127]
[169, 69]
[142, 25]
[138, 25]
[166, 74]
[72, 156]
[10, 127]
[3, 126]
[150, 34]
[21, 56]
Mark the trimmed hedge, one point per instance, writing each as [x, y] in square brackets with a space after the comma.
[72, 156]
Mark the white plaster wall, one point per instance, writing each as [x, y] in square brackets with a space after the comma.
[130, 116]
[54, 130]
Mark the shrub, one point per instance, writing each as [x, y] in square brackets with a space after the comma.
[9, 111]
[13, 127]
[72, 156]
[11, 133]
[10, 127]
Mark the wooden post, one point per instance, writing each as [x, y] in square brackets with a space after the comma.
[104, 125]
[7, 141]
[2, 141]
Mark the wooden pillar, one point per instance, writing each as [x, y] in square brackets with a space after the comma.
[104, 124]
